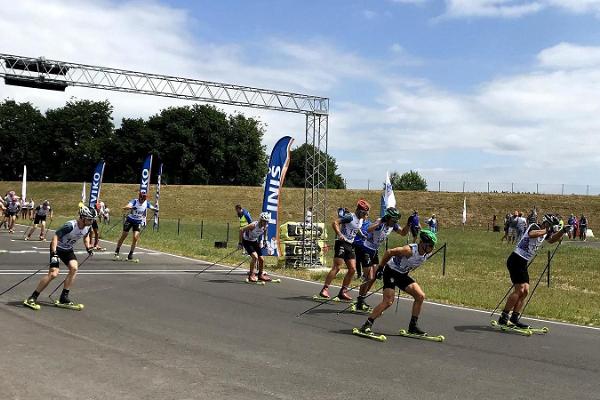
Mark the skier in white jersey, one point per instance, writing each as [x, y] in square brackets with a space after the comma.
[377, 232]
[346, 228]
[394, 268]
[61, 249]
[517, 265]
[42, 211]
[137, 212]
[251, 236]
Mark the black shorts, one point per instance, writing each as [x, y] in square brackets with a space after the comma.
[414, 230]
[131, 225]
[392, 278]
[39, 218]
[11, 213]
[95, 225]
[365, 257]
[343, 249]
[251, 247]
[65, 255]
[517, 268]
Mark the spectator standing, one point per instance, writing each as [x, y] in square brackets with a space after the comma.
[521, 226]
[512, 227]
[433, 224]
[415, 226]
[571, 221]
[245, 220]
[506, 224]
[583, 224]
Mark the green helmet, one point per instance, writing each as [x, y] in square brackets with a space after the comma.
[392, 213]
[428, 237]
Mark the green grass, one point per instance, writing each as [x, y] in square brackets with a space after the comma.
[476, 274]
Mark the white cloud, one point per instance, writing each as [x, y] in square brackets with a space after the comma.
[570, 56]
[369, 14]
[491, 8]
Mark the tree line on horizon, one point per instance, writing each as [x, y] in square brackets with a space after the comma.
[198, 145]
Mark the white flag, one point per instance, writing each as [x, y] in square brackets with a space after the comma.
[388, 194]
[83, 194]
[24, 185]
[464, 219]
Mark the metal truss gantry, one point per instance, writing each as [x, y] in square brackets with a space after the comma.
[44, 73]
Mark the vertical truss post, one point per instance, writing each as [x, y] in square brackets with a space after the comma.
[315, 185]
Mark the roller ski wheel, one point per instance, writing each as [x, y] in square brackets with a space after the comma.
[361, 310]
[511, 328]
[539, 331]
[260, 283]
[30, 303]
[369, 334]
[131, 260]
[272, 281]
[437, 338]
[69, 306]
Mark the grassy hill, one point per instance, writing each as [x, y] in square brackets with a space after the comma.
[216, 203]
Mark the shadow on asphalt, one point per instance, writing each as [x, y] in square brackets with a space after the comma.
[481, 328]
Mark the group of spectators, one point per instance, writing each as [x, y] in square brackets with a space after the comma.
[516, 223]
[578, 227]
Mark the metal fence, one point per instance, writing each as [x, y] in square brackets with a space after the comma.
[487, 187]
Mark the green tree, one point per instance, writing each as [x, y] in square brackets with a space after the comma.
[201, 145]
[21, 125]
[76, 138]
[295, 174]
[411, 180]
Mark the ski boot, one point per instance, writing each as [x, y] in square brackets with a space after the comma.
[324, 293]
[503, 319]
[514, 319]
[413, 329]
[343, 295]
[31, 303]
[252, 278]
[366, 328]
[262, 276]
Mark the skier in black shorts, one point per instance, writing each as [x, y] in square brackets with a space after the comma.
[42, 211]
[394, 267]
[516, 263]
[61, 249]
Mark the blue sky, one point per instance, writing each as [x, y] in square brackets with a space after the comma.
[460, 90]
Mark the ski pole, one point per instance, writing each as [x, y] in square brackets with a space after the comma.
[366, 297]
[236, 267]
[324, 302]
[218, 261]
[540, 278]
[63, 282]
[23, 280]
[510, 288]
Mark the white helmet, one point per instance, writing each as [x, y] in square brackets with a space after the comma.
[265, 216]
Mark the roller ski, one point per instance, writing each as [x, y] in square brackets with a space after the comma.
[264, 277]
[361, 308]
[253, 280]
[508, 327]
[539, 331]
[31, 303]
[369, 334]
[68, 305]
[126, 259]
[416, 333]
[336, 299]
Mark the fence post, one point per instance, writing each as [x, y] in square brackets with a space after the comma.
[227, 240]
[488, 187]
[368, 184]
[201, 228]
[463, 186]
[512, 187]
[444, 261]
[549, 263]
[439, 186]
[537, 188]
[178, 222]
[562, 189]
[587, 190]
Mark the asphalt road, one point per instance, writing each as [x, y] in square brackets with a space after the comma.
[156, 331]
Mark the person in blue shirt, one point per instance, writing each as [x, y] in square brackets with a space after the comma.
[137, 213]
[432, 223]
[359, 249]
[415, 226]
[245, 220]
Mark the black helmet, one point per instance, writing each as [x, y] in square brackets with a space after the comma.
[551, 219]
